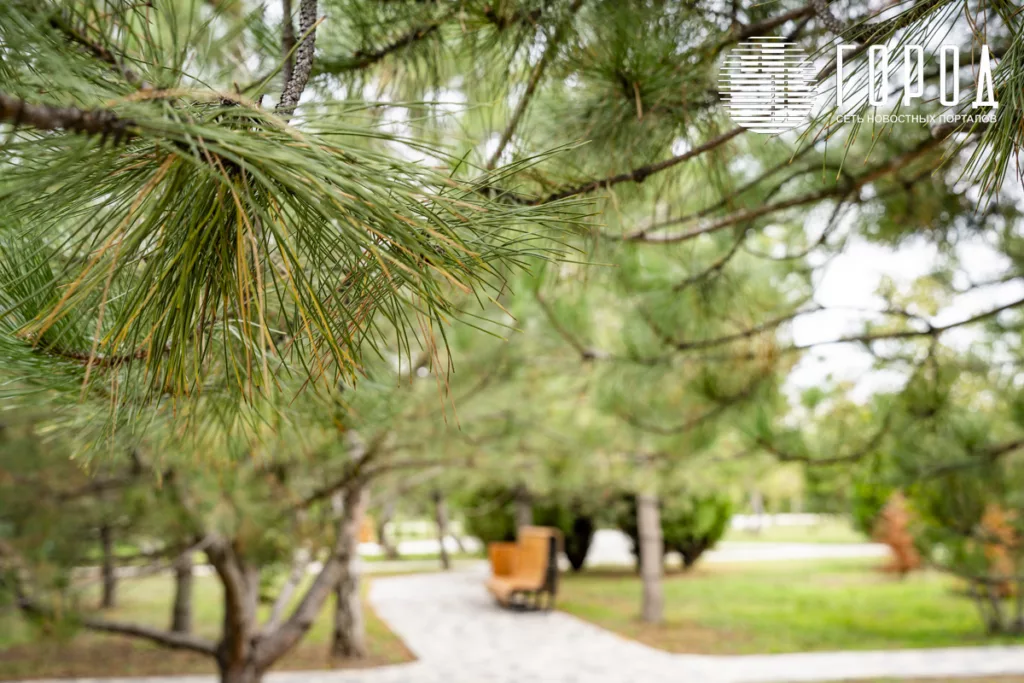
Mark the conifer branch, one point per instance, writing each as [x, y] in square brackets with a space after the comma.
[535, 77]
[870, 446]
[175, 641]
[18, 112]
[361, 59]
[97, 50]
[762, 27]
[843, 189]
[721, 405]
[639, 175]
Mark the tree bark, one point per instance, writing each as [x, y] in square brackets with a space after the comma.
[757, 510]
[236, 654]
[181, 614]
[1018, 622]
[523, 508]
[349, 638]
[441, 517]
[459, 544]
[240, 672]
[651, 552]
[300, 560]
[386, 515]
[109, 571]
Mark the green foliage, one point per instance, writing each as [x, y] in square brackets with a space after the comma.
[301, 247]
[576, 520]
[691, 523]
[489, 515]
[868, 498]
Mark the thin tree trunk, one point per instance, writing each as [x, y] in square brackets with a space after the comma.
[300, 560]
[651, 544]
[441, 517]
[998, 625]
[109, 597]
[181, 614]
[349, 638]
[523, 508]
[757, 510]
[459, 544]
[1018, 622]
[978, 598]
[386, 515]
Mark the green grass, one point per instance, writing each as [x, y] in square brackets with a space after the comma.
[829, 530]
[25, 653]
[783, 607]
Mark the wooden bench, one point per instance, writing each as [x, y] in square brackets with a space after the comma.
[527, 570]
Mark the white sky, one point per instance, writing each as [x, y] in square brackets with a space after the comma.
[852, 279]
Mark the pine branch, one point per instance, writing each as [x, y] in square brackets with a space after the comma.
[762, 27]
[364, 58]
[721, 406]
[303, 66]
[866, 34]
[787, 456]
[25, 603]
[586, 353]
[890, 166]
[538, 72]
[639, 175]
[866, 338]
[987, 456]
[98, 51]
[696, 344]
[176, 641]
[17, 111]
[826, 17]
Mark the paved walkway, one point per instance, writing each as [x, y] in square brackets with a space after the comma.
[459, 636]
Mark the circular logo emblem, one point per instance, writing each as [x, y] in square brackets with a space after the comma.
[767, 85]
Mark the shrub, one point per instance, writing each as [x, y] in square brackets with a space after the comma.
[694, 524]
[576, 524]
[489, 515]
[690, 523]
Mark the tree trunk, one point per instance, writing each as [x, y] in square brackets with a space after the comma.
[108, 569]
[386, 515]
[181, 614]
[441, 517]
[523, 507]
[651, 545]
[349, 638]
[757, 511]
[459, 544]
[239, 672]
[1018, 622]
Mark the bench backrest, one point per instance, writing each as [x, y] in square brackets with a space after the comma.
[503, 558]
[537, 555]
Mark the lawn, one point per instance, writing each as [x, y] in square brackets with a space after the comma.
[147, 601]
[828, 530]
[782, 607]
